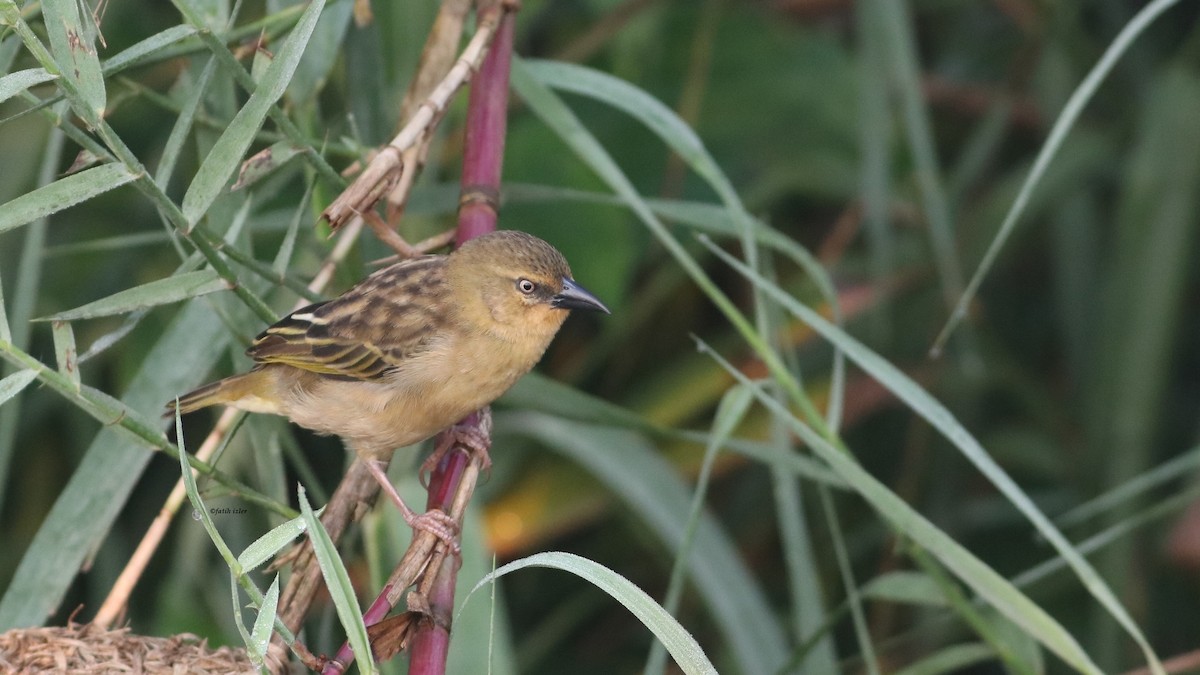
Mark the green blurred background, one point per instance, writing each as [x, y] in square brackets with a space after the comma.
[1078, 368]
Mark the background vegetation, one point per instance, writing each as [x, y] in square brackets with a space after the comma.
[884, 141]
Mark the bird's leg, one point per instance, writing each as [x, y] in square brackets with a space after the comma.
[436, 522]
[474, 434]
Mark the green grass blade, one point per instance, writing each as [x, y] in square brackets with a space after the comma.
[337, 581]
[15, 83]
[730, 413]
[905, 587]
[1179, 467]
[556, 115]
[13, 384]
[951, 659]
[922, 403]
[274, 541]
[161, 292]
[260, 636]
[633, 470]
[897, 31]
[227, 153]
[63, 193]
[143, 50]
[73, 44]
[853, 596]
[5, 331]
[993, 588]
[1054, 141]
[64, 352]
[85, 509]
[681, 645]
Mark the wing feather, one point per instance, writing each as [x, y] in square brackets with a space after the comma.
[366, 332]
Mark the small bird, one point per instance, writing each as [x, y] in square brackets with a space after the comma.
[411, 349]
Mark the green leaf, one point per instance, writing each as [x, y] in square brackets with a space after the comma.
[260, 637]
[910, 588]
[1054, 142]
[635, 471]
[64, 350]
[73, 44]
[679, 643]
[63, 193]
[337, 581]
[161, 292]
[925, 405]
[97, 490]
[144, 49]
[325, 48]
[5, 331]
[227, 152]
[15, 83]
[950, 659]
[274, 541]
[266, 162]
[15, 383]
[730, 413]
[993, 588]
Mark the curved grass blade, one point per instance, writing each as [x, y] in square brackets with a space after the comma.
[730, 412]
[1054, 141]
[15, 383]
[925, 405]
[556, 115]
[143, 49]
[634, 471]
[226, 154]
[681, 645]
[73, 44]
[337, 581]
[160, 292]
[96, 492]
[63, 193]
[678, 136]
[15, 83]
[998, 592]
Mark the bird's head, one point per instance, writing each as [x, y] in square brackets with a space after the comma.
[515, 285]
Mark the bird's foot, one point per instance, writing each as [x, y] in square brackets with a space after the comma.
[436, 522]
[473, 434]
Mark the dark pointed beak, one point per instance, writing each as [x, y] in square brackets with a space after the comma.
[574, 296]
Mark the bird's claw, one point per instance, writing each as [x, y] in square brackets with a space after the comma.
[474, 438]
[438, 523]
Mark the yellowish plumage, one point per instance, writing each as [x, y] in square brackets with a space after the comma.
[411, 349]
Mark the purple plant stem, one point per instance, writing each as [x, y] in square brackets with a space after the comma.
[487, 119]
[431, 642]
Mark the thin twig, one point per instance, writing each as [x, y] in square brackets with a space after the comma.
[383, 171]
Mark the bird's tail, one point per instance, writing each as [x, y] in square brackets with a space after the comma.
[228, 391]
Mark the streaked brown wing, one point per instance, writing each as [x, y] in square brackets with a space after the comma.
[367, 331]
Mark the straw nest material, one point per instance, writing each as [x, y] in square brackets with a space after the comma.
[86, 649]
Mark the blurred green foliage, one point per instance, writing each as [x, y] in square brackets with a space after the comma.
[1077, 368]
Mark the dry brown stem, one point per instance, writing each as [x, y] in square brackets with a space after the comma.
[385, 169]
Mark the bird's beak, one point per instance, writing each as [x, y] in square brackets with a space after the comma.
[574, 296]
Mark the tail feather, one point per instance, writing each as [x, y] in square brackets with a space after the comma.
[229, 391]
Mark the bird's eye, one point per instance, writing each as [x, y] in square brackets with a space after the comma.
[526, 286]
